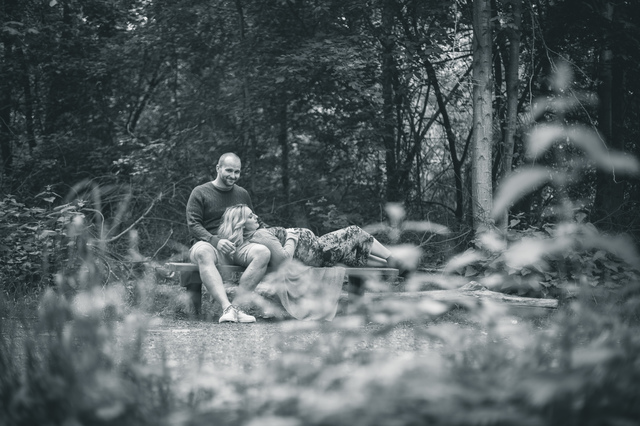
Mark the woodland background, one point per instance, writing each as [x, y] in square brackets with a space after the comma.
[117, 109]
[405, 116]
[335, 107]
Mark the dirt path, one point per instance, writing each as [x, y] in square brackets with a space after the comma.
[241, 347]
[187, 343]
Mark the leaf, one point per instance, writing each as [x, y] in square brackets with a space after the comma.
[526, 252]
[519, 184]
[377, 228]
[462, 260]
[592, 356]
[52, 3]
[492, 242]
[408, 254]
[542, 137]
[432, 307]
[619, 163]
[425, 226]
[396, 213]
[563, 77]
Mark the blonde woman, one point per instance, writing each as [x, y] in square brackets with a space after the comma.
[350, 246]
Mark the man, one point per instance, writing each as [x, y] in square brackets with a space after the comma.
[205, 208]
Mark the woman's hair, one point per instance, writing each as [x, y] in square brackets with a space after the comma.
[232, 226]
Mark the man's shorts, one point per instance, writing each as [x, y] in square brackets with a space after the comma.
[241, 257]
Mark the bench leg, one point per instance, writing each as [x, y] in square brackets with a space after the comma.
[356, 285]
[195, 294]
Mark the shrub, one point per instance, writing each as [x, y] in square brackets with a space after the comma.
[34, 243]
[81, 364]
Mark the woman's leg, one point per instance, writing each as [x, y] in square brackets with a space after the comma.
[376, 262]
[378, 250]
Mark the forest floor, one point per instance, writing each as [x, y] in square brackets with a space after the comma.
[187, 343]
[192, 344]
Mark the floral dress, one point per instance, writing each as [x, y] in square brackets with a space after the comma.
[348, 246]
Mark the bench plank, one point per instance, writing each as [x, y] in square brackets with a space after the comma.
[389, 273]
[190, 278]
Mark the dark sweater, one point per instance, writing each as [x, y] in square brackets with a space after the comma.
[206, 206]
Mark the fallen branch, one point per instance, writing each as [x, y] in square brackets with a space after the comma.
[465, 295]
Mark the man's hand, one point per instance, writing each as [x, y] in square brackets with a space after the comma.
[226, 247]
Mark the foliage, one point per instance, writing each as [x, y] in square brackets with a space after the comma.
[135, 94]
[35, 243]
[470, 362]
[330, 104]
[541, 262]
[81, 364]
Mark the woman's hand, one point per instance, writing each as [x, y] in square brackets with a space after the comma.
[293, 234]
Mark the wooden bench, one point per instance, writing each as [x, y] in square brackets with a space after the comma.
[190, 278]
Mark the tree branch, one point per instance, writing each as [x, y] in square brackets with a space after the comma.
[153, 203]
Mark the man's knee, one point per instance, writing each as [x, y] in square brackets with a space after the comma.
[259, 254]
[205, 257]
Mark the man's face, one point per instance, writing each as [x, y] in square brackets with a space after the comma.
[229, 171]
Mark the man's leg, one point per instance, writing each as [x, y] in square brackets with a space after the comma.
[205, 256]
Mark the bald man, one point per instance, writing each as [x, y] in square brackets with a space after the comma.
[205, 208]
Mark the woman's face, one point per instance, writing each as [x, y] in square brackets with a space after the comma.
[251, 223]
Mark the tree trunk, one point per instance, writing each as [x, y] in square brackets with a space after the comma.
[388, 126]
[609, 188]
[451, 139]
[28, 99]
[284, 147]
[6, 138]
[6, 99]
[246, 115]
[58, 102]
[482, 116]
[511, 77]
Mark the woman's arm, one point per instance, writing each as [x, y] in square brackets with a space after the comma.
[279, 254]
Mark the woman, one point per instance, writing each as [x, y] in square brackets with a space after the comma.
[308, 289]
[349, 246]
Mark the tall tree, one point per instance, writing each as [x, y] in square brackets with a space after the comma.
[482, 115]
[388, 118]
[8, 33]
[513, 28]
[609, 188]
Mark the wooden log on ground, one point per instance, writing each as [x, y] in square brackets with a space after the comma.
[469, 295]
[464, 296]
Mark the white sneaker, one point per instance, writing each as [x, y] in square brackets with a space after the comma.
[243, 317]
[229, 315]
[233, 314]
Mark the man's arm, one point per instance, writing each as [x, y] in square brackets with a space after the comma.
[195, 220]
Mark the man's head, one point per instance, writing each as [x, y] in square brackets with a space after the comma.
[228, 169]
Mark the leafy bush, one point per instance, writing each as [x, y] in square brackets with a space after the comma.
[540, 262]
[34, 243]
[81, 364]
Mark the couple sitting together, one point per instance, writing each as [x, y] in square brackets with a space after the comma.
[225, 230]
